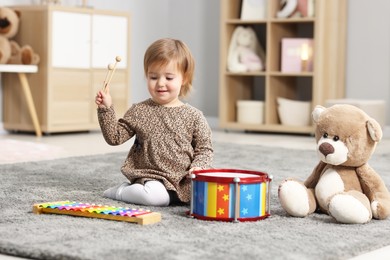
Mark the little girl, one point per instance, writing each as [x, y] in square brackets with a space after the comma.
[172, 138]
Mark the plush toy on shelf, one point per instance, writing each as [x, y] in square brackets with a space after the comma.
[296, 8]
[342, 185]
[245, 52]
[10, 51]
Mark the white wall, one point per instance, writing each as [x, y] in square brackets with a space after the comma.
[197, 23]
[368, 51]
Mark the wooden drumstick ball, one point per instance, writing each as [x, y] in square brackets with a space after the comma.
[117, 59]
[110, 67]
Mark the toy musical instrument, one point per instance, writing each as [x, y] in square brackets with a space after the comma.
[230, 195]
[139, 216]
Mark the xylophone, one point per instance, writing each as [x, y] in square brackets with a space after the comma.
[139, 216]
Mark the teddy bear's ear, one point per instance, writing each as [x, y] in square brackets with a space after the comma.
[374, 129]
[317, 112]
[234, 39]
[231, 59]
[18, 13]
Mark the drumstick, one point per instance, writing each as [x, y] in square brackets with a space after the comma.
[117, 59]
[110, 67]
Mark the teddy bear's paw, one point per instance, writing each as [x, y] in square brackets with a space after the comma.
[347, 209]
[27, 55]
[374, 208]
[380, 210]
[294, 198]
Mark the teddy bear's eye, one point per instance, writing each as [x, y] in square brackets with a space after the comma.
[325, 135]
[336, 138]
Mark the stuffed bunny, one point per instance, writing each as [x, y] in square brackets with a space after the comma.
[245, 52]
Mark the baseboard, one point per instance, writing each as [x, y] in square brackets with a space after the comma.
[2, 130]
[213, 122]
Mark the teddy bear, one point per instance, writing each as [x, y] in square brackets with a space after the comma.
[10, 51]
[245, 52]
[342, 185]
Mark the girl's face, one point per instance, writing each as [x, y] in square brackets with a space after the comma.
[164, 84]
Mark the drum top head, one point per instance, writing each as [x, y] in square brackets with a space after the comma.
[230, 176]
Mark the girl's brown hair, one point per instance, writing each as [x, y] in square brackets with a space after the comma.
[166, 50]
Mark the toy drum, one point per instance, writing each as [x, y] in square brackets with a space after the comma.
[230, 195]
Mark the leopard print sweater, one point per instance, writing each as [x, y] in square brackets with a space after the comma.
[168, 142]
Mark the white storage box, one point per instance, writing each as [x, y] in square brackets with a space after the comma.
[294, 112]
[374, 108]
[250, 112]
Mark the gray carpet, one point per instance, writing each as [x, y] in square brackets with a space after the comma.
[176, 236]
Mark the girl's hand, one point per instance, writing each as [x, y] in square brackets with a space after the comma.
[103, 99]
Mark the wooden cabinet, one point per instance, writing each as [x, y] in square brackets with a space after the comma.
[75, 45]
[327, 28]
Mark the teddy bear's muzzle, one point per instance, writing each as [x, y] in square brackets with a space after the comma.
[326, 148]
[4, 23]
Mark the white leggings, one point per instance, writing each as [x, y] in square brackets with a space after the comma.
[152, 193]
